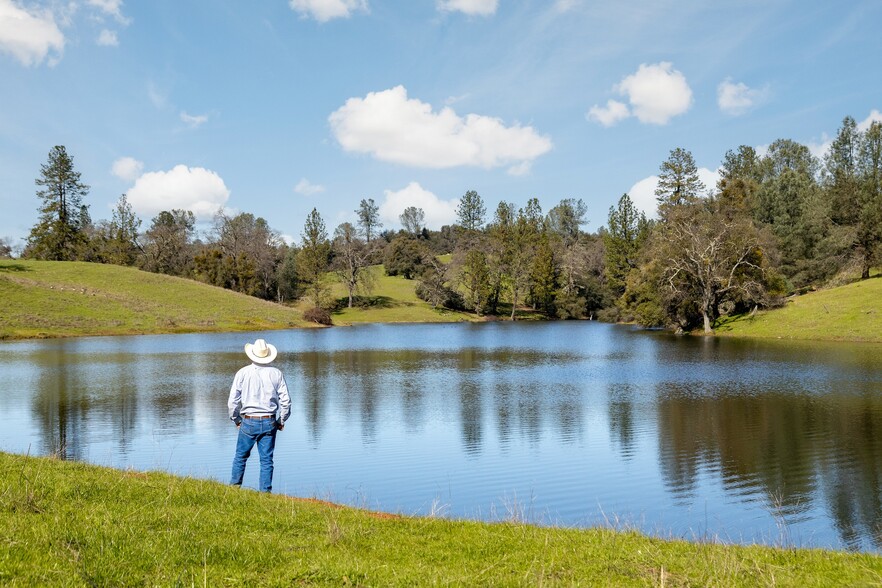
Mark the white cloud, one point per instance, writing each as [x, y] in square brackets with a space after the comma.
[396, 129]
[643, 192]
[127, 168]
[710, 178]
[108, 38]
[194, 121]
[737, 99]
[875, 116]
[111, 7]
[308, 189]
[438, 212]
[656, 93]
[608, 115]
[325, 10]
[196, 189]
[29, 35]
[481, 7]
[643, 196]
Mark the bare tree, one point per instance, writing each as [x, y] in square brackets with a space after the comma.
[351, 260]
[709, 258]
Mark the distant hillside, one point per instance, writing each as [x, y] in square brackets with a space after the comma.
[846, 313]
[63, 299]
[392, 299]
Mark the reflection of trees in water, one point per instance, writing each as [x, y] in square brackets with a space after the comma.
[60, 405]
[363, 380]
[315, 372]
[785, 446]
[621, 418]
[73, 391]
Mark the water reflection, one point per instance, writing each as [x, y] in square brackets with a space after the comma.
[679, 434]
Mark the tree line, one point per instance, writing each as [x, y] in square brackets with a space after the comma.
[776, 223]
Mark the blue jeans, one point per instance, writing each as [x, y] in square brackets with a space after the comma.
[262, 432]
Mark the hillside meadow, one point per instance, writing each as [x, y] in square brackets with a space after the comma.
[852, 312]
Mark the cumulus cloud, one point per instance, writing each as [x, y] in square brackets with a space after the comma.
[643, 192]
[393, 128]
[194, 121]
[325, 10]
[656, 93]
[438, 212]
[875, 116]
[308, 189]
[471, 7]
[127, 168]
[108, 38]
[29, 35]
[609, 115]
[737, 99]
[196, 189]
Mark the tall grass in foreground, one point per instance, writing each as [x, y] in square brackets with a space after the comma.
[72, 524]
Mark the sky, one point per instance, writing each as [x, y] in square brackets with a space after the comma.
[281, 106]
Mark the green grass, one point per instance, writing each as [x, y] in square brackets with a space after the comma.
[846, 313]
[73, 524]
[62, 299]
[392, 299]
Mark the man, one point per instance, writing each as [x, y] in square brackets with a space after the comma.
[259, 405]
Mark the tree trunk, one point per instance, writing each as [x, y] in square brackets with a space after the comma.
[707, 322]
[514, 302]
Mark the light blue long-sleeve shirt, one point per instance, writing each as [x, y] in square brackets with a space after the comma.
[259, 390]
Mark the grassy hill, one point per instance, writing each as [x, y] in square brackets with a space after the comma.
[392, 299]
[73, 524]
[846, 313]
[63, 299]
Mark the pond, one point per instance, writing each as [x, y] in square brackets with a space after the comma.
[566, 423]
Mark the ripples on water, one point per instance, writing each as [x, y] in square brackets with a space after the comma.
[557, 423]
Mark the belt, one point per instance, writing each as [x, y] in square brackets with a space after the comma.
[265, 416]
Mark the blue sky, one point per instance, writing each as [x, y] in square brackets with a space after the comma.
[279, 106]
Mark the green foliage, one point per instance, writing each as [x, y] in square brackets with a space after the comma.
[678, 182]
[470, 211]
[121, 238]
[168, 243]
[59, 233]
[313, 259]
[404, 257]
[474, 278]
[369, 218]
[626, 232]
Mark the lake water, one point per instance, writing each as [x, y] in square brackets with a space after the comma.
[565, 423]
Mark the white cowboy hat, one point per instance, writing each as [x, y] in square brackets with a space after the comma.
[261, 351]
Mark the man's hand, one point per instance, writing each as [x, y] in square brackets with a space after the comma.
[281, 426]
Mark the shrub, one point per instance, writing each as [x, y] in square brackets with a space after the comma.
[318, 315]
